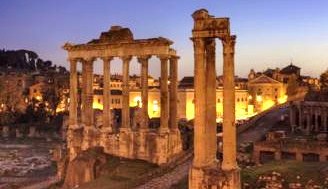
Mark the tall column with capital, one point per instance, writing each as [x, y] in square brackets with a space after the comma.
[300, 116]
[316, 120]
[200, 105]
[143, 60]
[88, 109]
[210, 73]
[173, 118]
[229, 127]
[107, 125]
[125, 93]
[164, 94]
[73, 94]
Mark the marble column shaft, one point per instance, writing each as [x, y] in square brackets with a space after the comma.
[164, 94]
[143, 60]
[125, 93]
[300, 118]
[229, 127]
[83, 93]
[107, 125]
[73, 93]
[173, 118]
[88, 92]
[308, 123]
[210, 128]
[200, 104]
[324, 118]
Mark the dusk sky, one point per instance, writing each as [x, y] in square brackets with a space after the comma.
[270, 33]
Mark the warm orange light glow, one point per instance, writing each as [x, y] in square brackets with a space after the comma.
[39, 98]
[137, 101]
[267, 104]
[96, 105]
[259, 98]
[283, 99]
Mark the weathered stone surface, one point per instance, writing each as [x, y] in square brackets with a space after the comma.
[204, 173]
[85, 167]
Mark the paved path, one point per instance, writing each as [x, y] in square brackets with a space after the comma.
[254, 133]
[167, 180]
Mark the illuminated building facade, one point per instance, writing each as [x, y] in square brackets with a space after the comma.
[266, 92]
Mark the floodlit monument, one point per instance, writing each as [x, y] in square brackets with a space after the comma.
[139, 142]
[206, 172]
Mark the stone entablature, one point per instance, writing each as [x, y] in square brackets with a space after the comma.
[127, 142]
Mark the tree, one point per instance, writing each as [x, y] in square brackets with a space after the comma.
[324, 81]
[10, 96]
[52, 98]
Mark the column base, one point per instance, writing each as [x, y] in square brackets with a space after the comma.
[213, 177]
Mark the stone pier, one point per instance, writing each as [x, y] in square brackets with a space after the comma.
[206, 170]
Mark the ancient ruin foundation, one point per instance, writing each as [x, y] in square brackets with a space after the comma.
[156, 146]
[206, 171]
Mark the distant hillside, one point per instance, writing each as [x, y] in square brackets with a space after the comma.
[25, 60]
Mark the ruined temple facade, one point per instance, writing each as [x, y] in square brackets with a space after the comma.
[309, 117]
[206, 172]
[134, 139]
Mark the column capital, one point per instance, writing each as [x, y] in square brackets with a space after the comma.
[143, 58]
[210, 44]
[228, 43]
[174, 57]
[126, 58]
[73, 60]
[163, 57]
[88, 60]
[107, 58]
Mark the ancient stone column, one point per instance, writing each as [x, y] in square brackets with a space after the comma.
[73, 94]
[324, 119]
[164, 94]
[200, 159]
[144, 90]
[308, 123]
[125, 93]
[210, 74]
[292, 117]
[173, 119]
[88, 92]
[229, 127]
[83, 93]
[316, 120]
[107, 125]
[300, 116]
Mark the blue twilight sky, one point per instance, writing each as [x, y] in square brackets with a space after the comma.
[270, 33]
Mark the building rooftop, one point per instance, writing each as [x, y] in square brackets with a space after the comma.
[290, 69]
